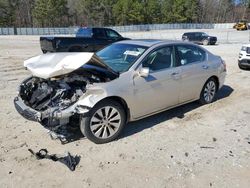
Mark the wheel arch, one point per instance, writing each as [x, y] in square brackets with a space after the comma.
[74, 48]
[216, 80]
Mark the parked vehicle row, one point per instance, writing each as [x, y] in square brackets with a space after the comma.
[94, 39]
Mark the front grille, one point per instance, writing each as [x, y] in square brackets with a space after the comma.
[245, 62]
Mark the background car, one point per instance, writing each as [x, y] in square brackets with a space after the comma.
[126, 81]
[86, 40]
[199, 38]
[244, 57]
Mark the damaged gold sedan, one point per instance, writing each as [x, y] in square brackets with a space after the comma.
[124, 82]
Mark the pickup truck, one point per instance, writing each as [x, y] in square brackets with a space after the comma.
[86, 40]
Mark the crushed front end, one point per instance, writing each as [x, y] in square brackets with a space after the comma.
[52, 94]
[50, 101]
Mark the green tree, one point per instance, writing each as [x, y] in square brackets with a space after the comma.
[128, 12]
[50, 12]
[180, 11]
[167, 11]
[151, 11]
[8, 12]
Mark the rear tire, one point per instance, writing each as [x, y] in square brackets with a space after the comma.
[208, 91]
[104, 122]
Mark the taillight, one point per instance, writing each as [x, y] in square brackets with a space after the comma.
[224, 65]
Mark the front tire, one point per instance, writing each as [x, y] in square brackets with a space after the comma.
[208, 92]
[104, 122]
[205, 42]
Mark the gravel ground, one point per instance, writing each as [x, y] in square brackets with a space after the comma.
[189, 146]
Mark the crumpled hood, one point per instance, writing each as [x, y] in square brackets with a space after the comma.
[56, 64]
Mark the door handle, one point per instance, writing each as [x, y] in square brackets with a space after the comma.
[205, 66]
[174, 73]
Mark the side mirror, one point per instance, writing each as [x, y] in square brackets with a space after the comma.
[144, 72]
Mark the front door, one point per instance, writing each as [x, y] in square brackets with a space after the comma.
[161, 88]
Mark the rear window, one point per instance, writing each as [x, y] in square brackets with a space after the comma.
[188, 54]
[84, 32]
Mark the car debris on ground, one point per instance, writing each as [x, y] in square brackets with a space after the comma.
[70, 161]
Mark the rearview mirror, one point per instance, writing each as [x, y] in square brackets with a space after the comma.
[144, 72]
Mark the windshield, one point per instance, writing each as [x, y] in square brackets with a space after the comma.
[204, 34]
[120, 57]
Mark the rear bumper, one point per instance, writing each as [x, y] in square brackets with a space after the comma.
[222, 78]
[47, 45]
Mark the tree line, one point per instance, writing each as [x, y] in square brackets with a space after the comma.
[64, 13]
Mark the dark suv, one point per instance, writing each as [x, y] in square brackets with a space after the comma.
[199, 38]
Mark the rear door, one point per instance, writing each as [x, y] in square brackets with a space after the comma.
[100, 38]
[197, 37]
[195, 70]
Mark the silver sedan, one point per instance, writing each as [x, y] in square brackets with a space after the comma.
[123, 82]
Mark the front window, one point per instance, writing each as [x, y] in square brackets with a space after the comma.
[112, 34]
[204, 34]
[160, 59]
[244, 48]
[120, 57]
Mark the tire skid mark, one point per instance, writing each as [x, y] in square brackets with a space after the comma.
[11, 70]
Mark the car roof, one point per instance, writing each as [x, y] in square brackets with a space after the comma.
[149, 42]
[193, 32]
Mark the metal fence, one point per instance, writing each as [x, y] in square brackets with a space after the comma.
[129, 28]
[223, 35]
[38, 31]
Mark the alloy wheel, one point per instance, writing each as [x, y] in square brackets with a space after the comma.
[209, 91]
[105, 122]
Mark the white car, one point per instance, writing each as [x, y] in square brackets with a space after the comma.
[244, 57]
[123, 82]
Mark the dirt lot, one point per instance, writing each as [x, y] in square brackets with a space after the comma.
[189, 146]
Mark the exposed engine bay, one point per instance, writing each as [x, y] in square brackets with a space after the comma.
[59, 80]
[52, 96]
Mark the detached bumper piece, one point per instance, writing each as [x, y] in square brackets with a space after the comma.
[70, 161]
[26, 111]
